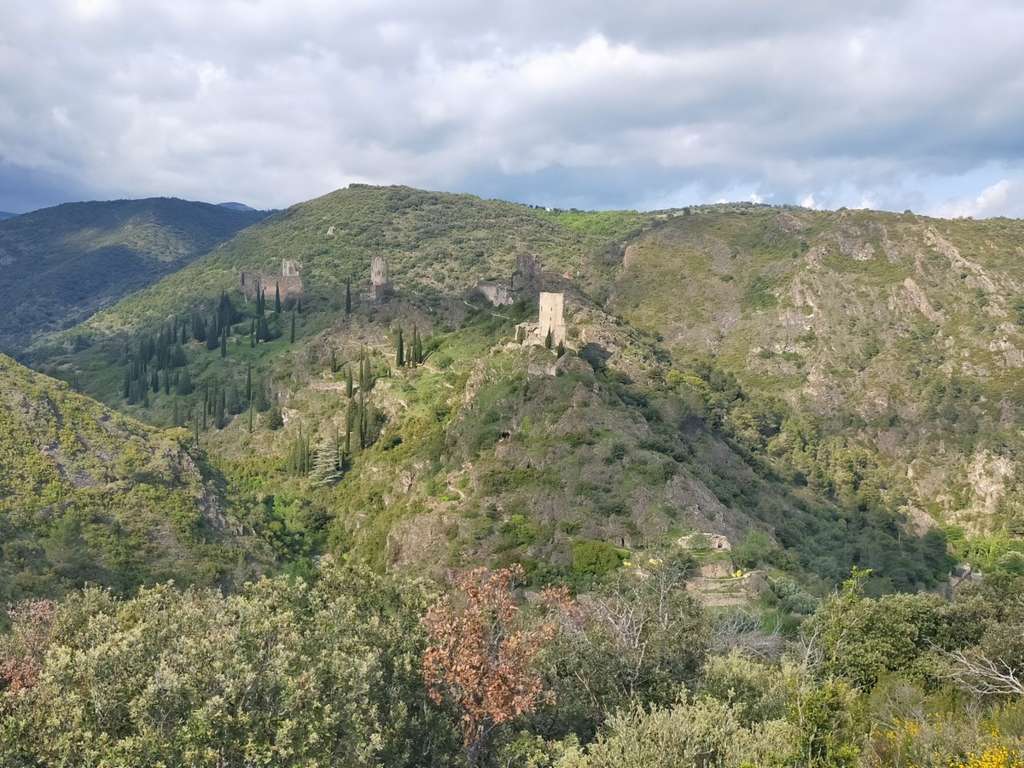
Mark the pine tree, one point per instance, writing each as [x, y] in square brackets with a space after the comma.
[399, 350]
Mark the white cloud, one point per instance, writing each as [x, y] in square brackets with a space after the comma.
[615, 104]
[1003, 198]
[809, 202]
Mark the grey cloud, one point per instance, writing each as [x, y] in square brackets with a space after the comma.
[898, 103]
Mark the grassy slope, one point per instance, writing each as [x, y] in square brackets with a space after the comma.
[899, 332]
[61, 264]
[87, 494]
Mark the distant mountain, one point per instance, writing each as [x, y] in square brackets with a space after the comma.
[87, 494]
[61, 264]
[6, 215]
[236, 206]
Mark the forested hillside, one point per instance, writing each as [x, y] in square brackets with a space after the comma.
[89, 495]
[61, 264]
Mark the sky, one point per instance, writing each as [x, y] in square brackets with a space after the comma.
[887, 104]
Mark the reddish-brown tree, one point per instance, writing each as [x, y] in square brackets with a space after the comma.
[21, 652]
[481, 655]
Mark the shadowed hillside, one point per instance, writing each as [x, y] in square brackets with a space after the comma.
[61, 264]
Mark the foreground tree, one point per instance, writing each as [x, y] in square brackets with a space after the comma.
[481, 655]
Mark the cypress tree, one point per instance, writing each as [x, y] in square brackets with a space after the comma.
[154, 381]
[177, 416]
[248, 383]
[126, 387]
[185, 383]
[400, 350]
[548, 340]
[252, 333]
[349, 388]
[348, 297]
[224, 342]
[250, 417]
[291, 339]
[417, 347]
[195, 424]
[277, 299]
[221, 409]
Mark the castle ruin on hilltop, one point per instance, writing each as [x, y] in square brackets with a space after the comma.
[288, 283]
[550, 322]
[380, 278]
[524, 283]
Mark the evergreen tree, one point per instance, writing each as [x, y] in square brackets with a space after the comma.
[260, 396]
[291, 339]
[221, 420]
[349, 387]
[399, 349]
[154, 381]
[195, 424]
[417, 347]
[177, 415]
[560, 349]
[126, 387]
[224, 342]
[277, 299]
[185, 383]
[248, 383]
[274, 418]
[334, 362]
[251, 409]
[548, 340]
[252, 332]
[348, 297]
[234, 402]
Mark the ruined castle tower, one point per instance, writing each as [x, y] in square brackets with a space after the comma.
[380, 278]
[551, 317]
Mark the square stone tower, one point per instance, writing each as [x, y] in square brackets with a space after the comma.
[552, 317]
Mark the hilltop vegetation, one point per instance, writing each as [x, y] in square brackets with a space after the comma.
[61, 264]
[89, 495]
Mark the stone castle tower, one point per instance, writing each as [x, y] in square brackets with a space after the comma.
[380, 278]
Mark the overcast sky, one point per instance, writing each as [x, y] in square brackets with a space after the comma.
[880, 103]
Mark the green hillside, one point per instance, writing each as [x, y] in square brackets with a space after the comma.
[898, 333]
[824, 389]
[61, 264]
[89, 495]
